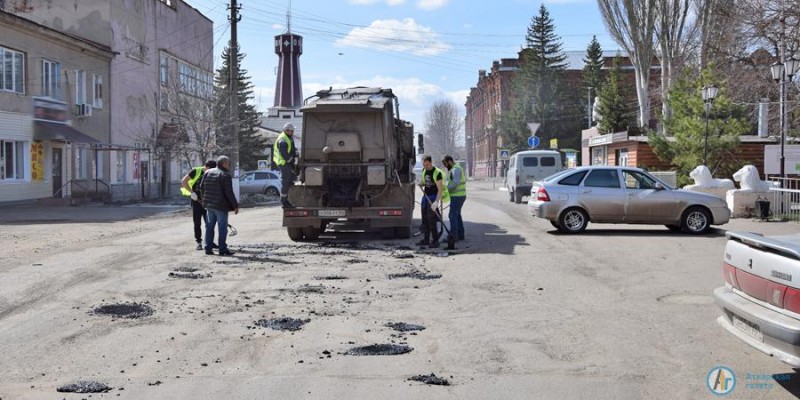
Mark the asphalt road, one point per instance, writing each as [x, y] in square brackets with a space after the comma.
[519, 311]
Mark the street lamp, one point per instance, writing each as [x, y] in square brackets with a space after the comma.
[709, 94]
[783, 73]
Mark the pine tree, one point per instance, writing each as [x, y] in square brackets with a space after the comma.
[614, 110]
[542, 96]
[251, 145]
[593, 71]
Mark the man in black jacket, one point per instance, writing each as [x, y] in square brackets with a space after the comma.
[218, 200]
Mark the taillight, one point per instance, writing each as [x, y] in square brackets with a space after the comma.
[390, 213]
[541, 195]
[791, 300]
[296, 213]
[729, 271]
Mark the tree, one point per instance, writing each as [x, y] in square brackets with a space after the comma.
[674, 34]
[539, 89]
[251, 145]
[687, 128]
[443, 132]
[593, 72]
[614, 111]
[632, 25]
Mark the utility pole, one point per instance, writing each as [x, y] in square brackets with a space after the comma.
[233, 87]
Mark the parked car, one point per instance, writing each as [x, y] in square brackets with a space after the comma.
[526, 167]
[622, 195]
[260, 182]
[761, 299]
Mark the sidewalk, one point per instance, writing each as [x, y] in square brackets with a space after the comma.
[43, 214]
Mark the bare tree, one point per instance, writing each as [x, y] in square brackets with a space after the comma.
[443, 132]
[674, 33]
[632, 25]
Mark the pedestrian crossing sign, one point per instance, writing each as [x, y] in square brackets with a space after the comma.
[263, 164]
[504, 154]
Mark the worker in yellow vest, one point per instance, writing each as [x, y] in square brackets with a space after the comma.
[190, 187]
[457, 191]
[284, 155]
[433, 191]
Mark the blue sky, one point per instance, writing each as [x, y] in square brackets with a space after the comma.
[425, 50]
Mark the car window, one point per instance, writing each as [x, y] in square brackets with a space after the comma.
[557, 175]
[530, 162]
[602, 178]
[638, 180]
[260, 176]
[246, 177]
[270, 175]
[573, 180]
[548, 161]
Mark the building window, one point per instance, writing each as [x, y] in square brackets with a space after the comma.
[80, 87]
[121, 173]
[82, 162]
[12, 160]
[164, 70]
[599, 156]
[195, 81]
[97, 99]
[163, 101]
[12, 71]
[51, 79]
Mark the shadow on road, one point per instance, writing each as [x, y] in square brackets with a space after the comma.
[790, 382]
[655, 232]
[92, 214]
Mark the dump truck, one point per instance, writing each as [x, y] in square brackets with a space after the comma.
[355, 167]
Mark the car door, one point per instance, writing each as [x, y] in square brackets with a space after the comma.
[246, 183]
[529, 171]
[643, 202]
[602, 195]
[261, 182]
[273, 180]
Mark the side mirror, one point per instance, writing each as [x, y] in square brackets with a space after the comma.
[659, 186]
[421, 144]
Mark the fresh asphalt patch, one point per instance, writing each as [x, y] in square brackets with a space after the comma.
[84, 387]
[430, 379]
[404, 327]
[124, 310]
[380, 350]
[282, 323]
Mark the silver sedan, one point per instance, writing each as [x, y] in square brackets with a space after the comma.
[622, 195]
[260, 182]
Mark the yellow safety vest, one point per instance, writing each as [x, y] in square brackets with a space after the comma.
[437, 173]
[198, 173]
[276, 153]
[461, 189]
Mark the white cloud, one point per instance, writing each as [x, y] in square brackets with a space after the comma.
[404, 36]
[277, 27]
[431, 4]
[370, 2]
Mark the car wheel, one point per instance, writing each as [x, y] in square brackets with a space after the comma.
[517, 197]
[272, 192]
[573, 220]
[296, 234]
[511, 195]
[673, 228]
[311, 233]
[696, 220]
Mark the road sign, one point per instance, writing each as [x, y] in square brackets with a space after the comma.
[553, 143]
[533, 142]
[504, 154]
[263, 164]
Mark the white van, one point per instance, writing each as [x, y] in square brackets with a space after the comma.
[528, 166]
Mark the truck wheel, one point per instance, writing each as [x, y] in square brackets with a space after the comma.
[311, 233]
[511, 195]
[517, 197]
[387, 233]
[402, 232]
[296, 234]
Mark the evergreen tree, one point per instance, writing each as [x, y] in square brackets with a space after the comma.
[251, 145]
[613, 109]
[727, 121]
[593, 71]
[540, 92]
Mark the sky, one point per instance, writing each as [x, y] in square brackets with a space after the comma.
[425, 50]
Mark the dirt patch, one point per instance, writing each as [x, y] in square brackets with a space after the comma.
[431, 379]
[84, 387]
[356, 261]
[379, 350]
[311, 288]
[124, 310]
[190, 275]
[186, 269]
[416, 275]
[330, 278]
[282, 324]
[403, 256]
[404, 327]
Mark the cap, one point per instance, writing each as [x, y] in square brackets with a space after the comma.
[288, 127]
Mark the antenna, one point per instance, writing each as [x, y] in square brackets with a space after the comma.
[289, 18]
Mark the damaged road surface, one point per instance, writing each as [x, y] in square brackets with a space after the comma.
[518, 312]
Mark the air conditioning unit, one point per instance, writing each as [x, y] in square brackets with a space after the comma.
[83, 110]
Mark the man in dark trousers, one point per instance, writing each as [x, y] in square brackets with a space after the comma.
[432, 191]
[218, 200]
[284, 155]
[190, 187]
[457, 191]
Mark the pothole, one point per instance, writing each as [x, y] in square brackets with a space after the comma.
[124, 310]
[431, 379]
[404, 327]
[311, 288]
[189, 275]
[282, 323]
[685, 298]
[186, 269]
[356, 261]
[84, 387]
[379, 350]
[416, 275]
[403, 256]
[330, 278]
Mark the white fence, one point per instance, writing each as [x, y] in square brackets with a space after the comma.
[785, 199]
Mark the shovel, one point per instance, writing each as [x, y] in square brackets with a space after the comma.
[451, 241]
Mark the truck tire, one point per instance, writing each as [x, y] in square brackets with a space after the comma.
[517, 197]
[402, 232]
[296, 234]
[511, 195]
[311, 233]
[387, 233]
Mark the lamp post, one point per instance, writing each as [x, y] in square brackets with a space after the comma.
[783, 73]
[709, 94]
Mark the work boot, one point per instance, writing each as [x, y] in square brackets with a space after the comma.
[226, 253]
[199, 246]
[435, 244]
[423, 242]
[214, 246]
[209, 252]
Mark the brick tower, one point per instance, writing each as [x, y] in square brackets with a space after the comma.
[288, 90]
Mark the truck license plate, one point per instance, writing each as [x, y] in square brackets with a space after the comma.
[748, 328]
[331, 213]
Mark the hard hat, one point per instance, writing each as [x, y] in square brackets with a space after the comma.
[288, 127]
